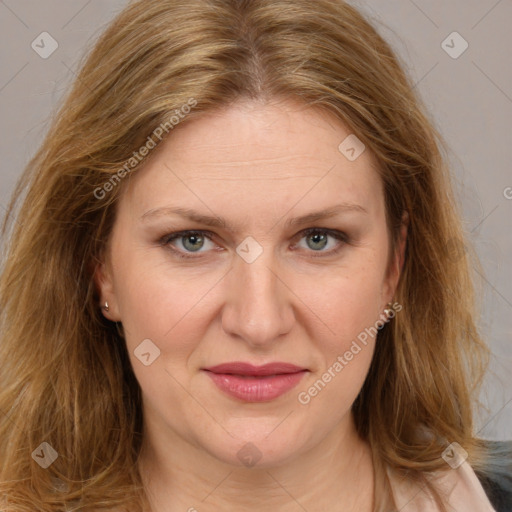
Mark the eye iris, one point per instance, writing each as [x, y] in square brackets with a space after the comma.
[317, 238]
[194, 239]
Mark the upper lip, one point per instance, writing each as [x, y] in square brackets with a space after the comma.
[240, 368]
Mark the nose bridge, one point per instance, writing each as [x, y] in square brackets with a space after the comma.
[258, 308]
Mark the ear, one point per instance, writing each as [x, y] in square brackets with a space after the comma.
[104, 281]
[398, 259]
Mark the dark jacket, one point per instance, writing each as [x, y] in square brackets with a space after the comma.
[497, 478]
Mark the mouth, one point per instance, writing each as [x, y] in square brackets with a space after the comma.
[250, 383]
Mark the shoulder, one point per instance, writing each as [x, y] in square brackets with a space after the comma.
[459, 488]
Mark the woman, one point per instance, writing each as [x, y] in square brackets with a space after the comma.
[229, 285]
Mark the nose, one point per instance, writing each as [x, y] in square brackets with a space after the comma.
[259, 305]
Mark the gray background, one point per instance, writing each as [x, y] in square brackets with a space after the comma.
[469, 97]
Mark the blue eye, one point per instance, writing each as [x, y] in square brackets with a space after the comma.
[193, 241]
[319, 239]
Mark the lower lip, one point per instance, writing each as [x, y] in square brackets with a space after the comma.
[256, 389]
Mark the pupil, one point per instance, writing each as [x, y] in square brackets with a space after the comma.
[194, 239]
[317, 236]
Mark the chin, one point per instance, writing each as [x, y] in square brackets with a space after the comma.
[251, 447]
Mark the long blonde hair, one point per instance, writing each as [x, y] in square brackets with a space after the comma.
[65, 375]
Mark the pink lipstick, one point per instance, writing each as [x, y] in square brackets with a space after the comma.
[255, 383]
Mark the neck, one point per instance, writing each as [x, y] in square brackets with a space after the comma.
[337, 472]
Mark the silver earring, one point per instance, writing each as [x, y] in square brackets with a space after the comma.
[105, 307]
[389, 311]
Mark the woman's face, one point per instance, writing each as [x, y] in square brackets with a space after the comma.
[250, 284]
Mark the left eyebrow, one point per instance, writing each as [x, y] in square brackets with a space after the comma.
[325, 214]
[219, 222]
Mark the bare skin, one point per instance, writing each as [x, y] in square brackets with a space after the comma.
[303, 300]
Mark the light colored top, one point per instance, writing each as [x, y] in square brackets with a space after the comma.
[462, 490]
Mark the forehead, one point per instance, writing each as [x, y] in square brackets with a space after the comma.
[251, 155]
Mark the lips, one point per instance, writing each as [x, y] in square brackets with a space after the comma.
[249, 383]
[247, 369]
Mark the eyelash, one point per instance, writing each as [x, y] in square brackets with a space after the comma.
[339, 235]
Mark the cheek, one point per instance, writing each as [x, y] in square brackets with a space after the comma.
[165, 308]
[169, 305]
[155, 304]
[347, 301]
[349, 305]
